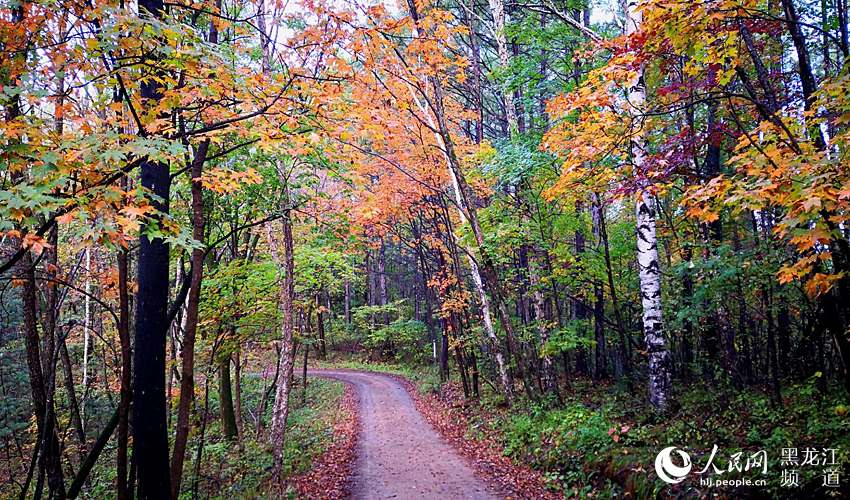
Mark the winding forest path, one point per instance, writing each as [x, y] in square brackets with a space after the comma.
[399, 455]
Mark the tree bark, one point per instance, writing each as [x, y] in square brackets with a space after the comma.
[600, 367]
[280, 410]
[187, 372]
[497, 9]
[548, 377]
[40, 369]
[237, 393]
[320, 328]
[122, 487]
[225, 399]
[650, 286]
[647, 251]
[150, 430]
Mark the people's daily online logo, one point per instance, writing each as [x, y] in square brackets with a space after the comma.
[667, 470]
[748, 468]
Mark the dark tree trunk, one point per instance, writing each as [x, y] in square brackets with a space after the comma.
[461, 368]
[382, 280]
[40, 368]
[523, 303]
[783, 331]
[461, 362]
[237, 393]
[150, 430]
[122, 487]
[842, 28]
[687, 325]
[225, 396]
[187, 372]
[580, 310]
[200, 450]
[73, 405]
[625, 358]
[150, 438]
[772, 363]
[91, 458]
[601, 368]
[347, 302]
[320, 329]
[444, 352]
[746, 360]
[473, 367]
[52, 345]
[371, 296]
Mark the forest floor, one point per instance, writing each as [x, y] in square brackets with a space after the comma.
[320, 441]
[601, 440]
[399, 455]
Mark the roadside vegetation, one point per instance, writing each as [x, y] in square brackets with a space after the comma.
[601, 440]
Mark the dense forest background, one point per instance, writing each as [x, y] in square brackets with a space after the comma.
[613, 227]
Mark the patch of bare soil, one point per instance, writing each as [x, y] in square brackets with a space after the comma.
[399, 454]
[450, 415]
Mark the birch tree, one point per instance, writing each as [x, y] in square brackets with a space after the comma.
[613, 122]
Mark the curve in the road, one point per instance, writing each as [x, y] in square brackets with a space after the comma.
[399, 455]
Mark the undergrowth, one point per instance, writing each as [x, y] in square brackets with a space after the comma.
[601, 440]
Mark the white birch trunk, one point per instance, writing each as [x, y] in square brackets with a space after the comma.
[647, 247]
[497, 9]
[489, 330]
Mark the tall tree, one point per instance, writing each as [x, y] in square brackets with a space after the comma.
[647, 243]
[150, 428]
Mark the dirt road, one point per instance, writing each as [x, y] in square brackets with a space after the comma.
[399, 455]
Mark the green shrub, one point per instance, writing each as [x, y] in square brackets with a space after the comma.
[558, 439]
[401, 339]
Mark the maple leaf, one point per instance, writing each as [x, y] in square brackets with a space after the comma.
[35, 243]
[133, 211]
[811, 203]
